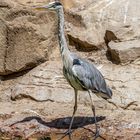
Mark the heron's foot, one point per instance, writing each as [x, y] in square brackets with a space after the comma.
[97, 134]
[67, 133]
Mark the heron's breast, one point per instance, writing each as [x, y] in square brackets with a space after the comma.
[73, 81]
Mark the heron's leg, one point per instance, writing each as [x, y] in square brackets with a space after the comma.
[93, 110]
[74, 111]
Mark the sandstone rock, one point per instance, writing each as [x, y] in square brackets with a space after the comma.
[86, 33]
[46, 83]
[103, 21]
[3, 45]
[124, 52]
[6, 4]
[43, 83]
[28, 38]
[42, 96]
[68, 4]
[125, 84]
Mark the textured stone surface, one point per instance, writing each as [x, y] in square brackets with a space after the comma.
[97, 21]
[28, 37]
[124, 52]
[2, 45]
[40, 97]
[45, 83]
[26, 31]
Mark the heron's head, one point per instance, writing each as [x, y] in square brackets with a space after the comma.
[52, 6]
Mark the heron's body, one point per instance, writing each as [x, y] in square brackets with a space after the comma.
[69, 74]
[80, 74]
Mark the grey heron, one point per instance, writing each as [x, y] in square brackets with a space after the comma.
[80, 74]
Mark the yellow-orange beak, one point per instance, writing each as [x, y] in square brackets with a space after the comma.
[40, 8]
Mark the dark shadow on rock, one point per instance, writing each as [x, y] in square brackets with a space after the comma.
[63, 123]
[15, 74]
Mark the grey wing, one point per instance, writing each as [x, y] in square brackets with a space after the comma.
[91, 78]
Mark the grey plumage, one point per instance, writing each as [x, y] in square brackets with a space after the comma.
[80, 74]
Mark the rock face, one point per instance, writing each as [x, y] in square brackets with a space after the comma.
[25, 40]
[100, 22]
[34, 95]
[2, 45]
[44, 83]
[124, 52]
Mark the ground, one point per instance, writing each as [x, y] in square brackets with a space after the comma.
[36, 102]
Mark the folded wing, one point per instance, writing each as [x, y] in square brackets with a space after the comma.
[91, 78]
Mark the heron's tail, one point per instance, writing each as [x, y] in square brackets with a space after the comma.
[105, 95]
[109, 93]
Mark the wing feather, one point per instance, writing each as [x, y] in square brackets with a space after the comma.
[90, 77]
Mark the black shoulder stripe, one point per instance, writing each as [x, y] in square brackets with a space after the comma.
[76, 62]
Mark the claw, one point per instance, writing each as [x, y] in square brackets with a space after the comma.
[97, 134]
[69, 132]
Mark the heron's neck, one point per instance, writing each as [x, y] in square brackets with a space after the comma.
[61, 34]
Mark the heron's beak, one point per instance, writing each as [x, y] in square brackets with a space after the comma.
[42, 7]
